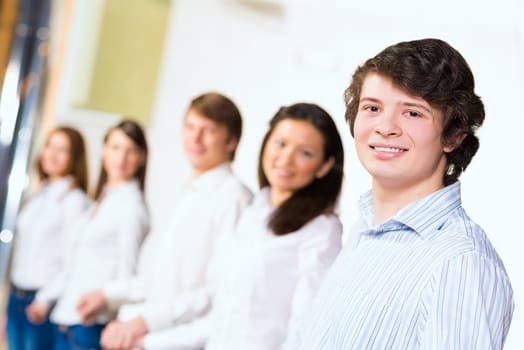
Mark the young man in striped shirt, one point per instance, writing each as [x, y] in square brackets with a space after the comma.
[422, 275]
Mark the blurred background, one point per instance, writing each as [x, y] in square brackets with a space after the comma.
[87, 63]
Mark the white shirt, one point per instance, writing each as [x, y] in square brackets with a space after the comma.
[105, 248]
[176, 283]
[41, 232]
[267, 284]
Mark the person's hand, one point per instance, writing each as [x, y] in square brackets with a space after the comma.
[139, 343]
[89, 304]
[119, 335]
[37, 312]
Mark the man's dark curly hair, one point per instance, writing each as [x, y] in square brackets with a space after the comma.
[435, 71]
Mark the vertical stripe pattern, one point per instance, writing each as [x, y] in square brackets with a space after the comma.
[428, 278]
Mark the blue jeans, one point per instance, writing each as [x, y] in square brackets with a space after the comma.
[21, 333]
[77, 337]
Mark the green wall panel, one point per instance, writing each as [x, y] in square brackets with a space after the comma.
[128, 57]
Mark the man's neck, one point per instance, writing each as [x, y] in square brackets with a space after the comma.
[387, 201]
[199, 172]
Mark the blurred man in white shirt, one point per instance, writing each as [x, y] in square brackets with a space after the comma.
[175, 282]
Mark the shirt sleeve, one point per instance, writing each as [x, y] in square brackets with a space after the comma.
[132, 289]
[315, 257]
[122, 291]
[189, 306]
[73, 206]
[187, 336]
[54, 289]
[184, 309]
[133, 225]
[468, 304]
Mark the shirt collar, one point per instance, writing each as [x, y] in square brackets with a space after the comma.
[423, 216]
[131, 184]
[57, 188]
[262, 201]
[211, 178]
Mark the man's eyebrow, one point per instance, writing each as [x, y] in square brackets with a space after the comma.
[408, 104]
[370, 99]
[412, 104]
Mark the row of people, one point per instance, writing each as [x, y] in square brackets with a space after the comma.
[236, 272]
[173, 279]
[66, 243]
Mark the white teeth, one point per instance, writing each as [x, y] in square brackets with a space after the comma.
[388, 149]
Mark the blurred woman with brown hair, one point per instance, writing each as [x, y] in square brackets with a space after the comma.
[42, 229]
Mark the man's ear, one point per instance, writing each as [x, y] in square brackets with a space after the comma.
[325, 168]
[232, 144]
[457, 142]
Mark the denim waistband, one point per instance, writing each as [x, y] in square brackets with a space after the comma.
[21, 292]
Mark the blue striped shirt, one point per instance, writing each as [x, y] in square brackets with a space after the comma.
[428, 278]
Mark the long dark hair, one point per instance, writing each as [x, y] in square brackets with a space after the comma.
[135, 132]
[77, 165]
[321, 195]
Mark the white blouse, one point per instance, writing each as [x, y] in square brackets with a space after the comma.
[41, 231]
[174, 268]
[105, 247]
[267, 284]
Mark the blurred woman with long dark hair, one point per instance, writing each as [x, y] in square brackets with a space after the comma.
[42, 228]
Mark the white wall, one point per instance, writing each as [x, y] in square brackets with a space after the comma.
[307, 51]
